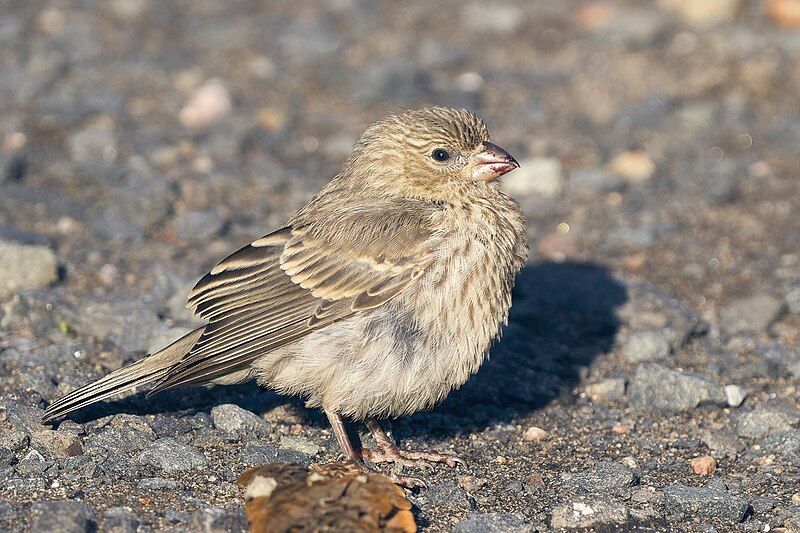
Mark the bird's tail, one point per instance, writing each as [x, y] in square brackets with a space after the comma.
[151, 368]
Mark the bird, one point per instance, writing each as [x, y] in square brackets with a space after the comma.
[374, 301]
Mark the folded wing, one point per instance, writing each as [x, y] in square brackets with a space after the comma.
[302, 278]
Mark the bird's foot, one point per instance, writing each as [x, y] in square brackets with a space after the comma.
[404, 481]
[420, 459]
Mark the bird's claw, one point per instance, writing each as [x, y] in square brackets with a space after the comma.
[421, 459]
[407, 482]
[404, 481]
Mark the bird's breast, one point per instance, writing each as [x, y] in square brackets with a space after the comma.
[463, 299]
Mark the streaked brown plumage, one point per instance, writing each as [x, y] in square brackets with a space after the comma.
[330, 497]
[376, 299]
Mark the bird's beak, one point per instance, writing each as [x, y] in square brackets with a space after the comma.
[491, 162]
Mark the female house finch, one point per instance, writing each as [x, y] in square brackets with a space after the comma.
[375, 300]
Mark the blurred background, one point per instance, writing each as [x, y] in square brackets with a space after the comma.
[142, 140]
[657, 137]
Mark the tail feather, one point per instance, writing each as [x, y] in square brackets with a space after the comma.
[151, 368]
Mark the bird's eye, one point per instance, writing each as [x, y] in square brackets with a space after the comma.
[440, 155]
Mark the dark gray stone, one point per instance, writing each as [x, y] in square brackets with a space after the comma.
[25, 418]
[170, 290]
[198, 225]
[608, 389]
[605, 477]
[7, 457]
[785, 360]
[38, 379]
[751, 315]
[21, 236]
[159, 483]
[128, 323]
[448, 494]
[116, 441]
[172, 456]
[300, 444]
[9, 512]
[118, 520]
[763, 504]
[258, 454]
[646, 346]
[233, 419]
[305, 43]
[493, 17]
[61, 517]
[395, 78]
[170, 426]
[658, 388]
[56, 444]
[650, 309]
[24, 485]
[173, 516]
[491, 523]
[13, 440]
[34, 464]
[437, 54]
[791, 518]
[793, 300]
[588, 514]
[681, 502]
[594, 180]
[78, 467]
[26, 267]
[723, 442]
[293, 456]
[764, 421]
[217, 520]
[113, 224]
[784, 443]
[724, 185]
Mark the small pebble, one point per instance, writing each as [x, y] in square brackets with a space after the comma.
[751, 315]
[208, 105]
[172, 456]
[735, 395]
[471, 483]
[534, 434]
[609, 389]
[784, 12]
[299, 444]
[702, 14]
[704, 465]
[646, 346]
[26, 267]
[635, 167]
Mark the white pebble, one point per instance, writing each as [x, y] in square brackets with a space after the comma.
[209, 104]
[735, 395]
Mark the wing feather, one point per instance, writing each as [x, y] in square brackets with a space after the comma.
[301, 278]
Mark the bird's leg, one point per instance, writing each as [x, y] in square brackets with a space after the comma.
[350, 454]
[389, 453]
[341, 436]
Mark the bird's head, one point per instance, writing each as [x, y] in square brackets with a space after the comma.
[428, 153]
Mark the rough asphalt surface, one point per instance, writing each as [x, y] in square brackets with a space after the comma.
[649, 375]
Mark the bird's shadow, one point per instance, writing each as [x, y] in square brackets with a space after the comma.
[563, 316]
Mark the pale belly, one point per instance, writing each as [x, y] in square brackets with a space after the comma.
[388, 375]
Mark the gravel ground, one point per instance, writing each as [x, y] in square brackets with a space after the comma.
[649, 376]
